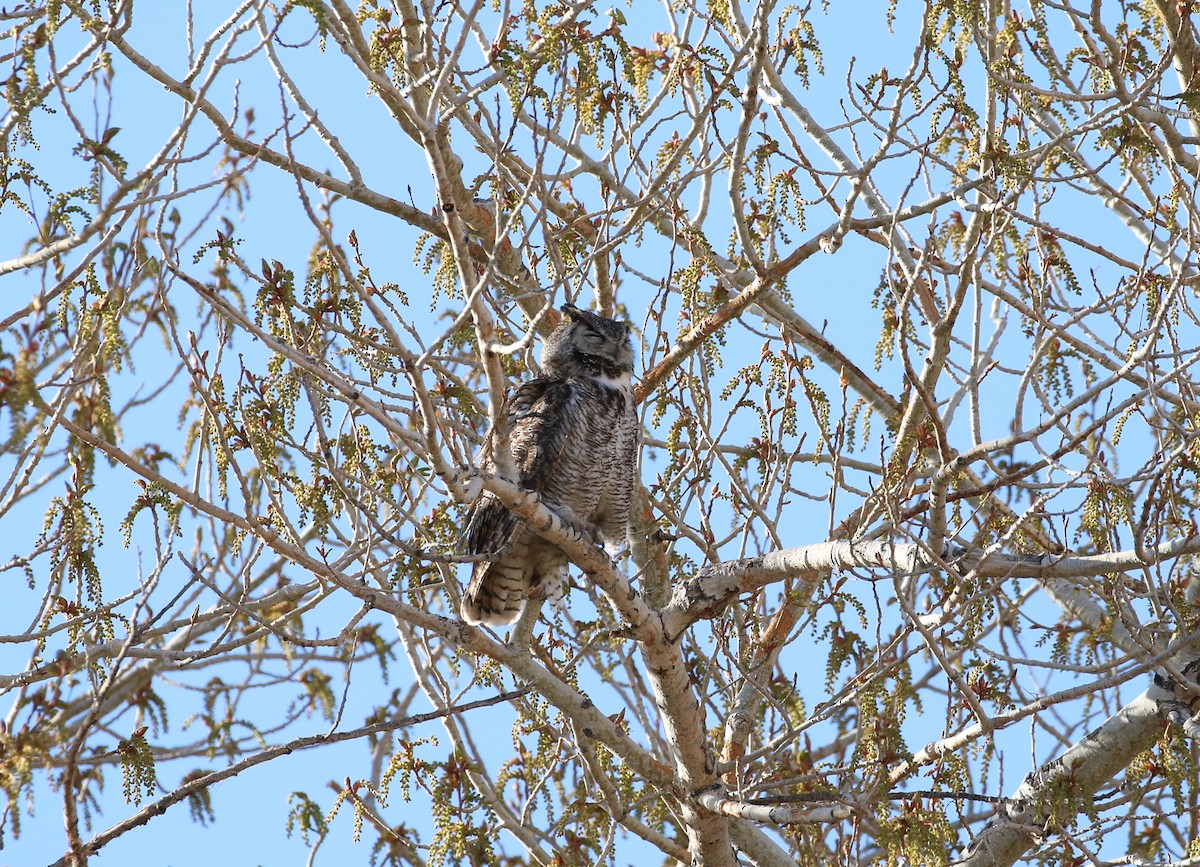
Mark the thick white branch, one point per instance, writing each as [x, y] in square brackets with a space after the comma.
[1071, 780]
[707, 592]
[777, 814]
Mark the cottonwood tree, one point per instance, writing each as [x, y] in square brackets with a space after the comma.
[910, 575]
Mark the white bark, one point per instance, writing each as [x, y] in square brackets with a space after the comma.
[1053, 794]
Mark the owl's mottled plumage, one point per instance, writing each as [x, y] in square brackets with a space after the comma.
[574, 437]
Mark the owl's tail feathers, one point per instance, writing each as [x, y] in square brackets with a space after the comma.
[498, 588]
[496, 593]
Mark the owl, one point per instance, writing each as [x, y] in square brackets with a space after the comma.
[574, 436]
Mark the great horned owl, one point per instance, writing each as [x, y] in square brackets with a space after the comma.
[574, 437]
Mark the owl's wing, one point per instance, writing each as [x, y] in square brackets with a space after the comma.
[539, 423]
[490, 528]
[541, 419]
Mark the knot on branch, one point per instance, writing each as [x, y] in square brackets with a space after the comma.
[465, 484]
[702, 596]
[1181, 705]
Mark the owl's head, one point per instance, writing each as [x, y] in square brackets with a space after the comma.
[585, 344]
